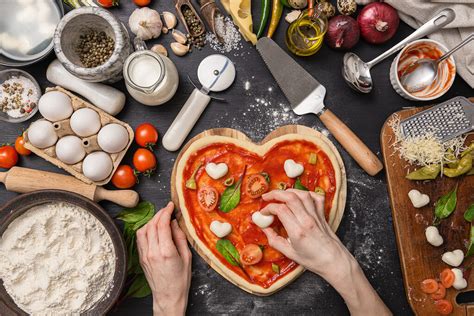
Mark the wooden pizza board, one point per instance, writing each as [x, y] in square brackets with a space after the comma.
[289, 129]
[419, 260]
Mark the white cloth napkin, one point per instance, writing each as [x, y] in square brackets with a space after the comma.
[417, 12]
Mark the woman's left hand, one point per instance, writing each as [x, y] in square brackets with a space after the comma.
[166, 260]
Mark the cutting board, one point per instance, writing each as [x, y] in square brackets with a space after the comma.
[289, 129]
[419, 260]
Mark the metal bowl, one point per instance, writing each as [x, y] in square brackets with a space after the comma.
[44, 49]
[7, 74]
[23, 203]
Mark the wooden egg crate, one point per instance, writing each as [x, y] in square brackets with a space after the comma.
[89, 143]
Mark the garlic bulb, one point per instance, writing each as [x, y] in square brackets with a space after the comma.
[145, 23]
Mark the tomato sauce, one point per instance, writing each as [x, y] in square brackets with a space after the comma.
[244, 231]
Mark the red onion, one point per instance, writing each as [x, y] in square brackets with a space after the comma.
[343, 32]
[378, 22]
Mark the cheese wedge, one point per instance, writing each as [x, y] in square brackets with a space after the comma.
[241, 13]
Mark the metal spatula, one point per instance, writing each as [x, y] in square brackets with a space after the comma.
[446, 120]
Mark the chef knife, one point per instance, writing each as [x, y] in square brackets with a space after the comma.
[306, 95]
[23, 180]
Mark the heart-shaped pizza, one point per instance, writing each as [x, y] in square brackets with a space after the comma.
[218, 181]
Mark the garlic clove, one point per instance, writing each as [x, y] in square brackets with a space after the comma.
[164, 30]
[160, 49]
[179, 49]
[170, 20]
[179, 37]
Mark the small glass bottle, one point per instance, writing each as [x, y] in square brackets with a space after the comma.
[150, 78]
[305, 35]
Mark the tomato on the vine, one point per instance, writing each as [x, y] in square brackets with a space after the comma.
[8, 157]
[146, 135]
[124, 177]
[108, 3]
[20, 146]
[144, 161]
[142, 3]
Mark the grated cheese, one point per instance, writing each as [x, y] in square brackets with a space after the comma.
[426, 149]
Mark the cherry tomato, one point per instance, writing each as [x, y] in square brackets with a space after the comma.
[108, 3]
[146, 135]
[124, 177]
[8, 157]
[207, 198]
[429, 286]
[251, 254]
[440, 293]
[144, 161]
[271, 254]
[20, 146]
[142, 3]
[447, 278]
[443, 307]
[256, 186]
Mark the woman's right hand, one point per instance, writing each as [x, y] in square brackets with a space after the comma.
[312, 243]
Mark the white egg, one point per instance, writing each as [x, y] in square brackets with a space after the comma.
[41, 134]
[97, 166]
[55, 106]
[85, 122]
[113, 138]
[69, 150]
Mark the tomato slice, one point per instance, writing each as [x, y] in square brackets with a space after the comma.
[251, 254]
[256, 186]
[443, 307]
[207, 198]
[440, 293]
[447, 278]
[429, 286]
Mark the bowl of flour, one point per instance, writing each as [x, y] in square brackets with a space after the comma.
[60, 254]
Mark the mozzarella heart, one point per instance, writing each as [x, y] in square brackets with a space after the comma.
[459, 280]
[216, 171]
[418, 199]
[262, 221]
[433, 236]
[453, 258]
[293, 169]
[220, 229]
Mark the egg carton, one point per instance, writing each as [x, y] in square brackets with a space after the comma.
[89, 143]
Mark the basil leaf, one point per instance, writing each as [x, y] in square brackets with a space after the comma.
[139, 287]
[276, 268]
[133, 215]
[470, 249]
[228, 250]
[299, 185]
[446, 204]
[469, 214]
[231, 197]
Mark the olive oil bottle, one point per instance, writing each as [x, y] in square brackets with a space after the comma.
[305, 35]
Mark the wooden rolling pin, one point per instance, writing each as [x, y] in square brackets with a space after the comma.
[23, 180]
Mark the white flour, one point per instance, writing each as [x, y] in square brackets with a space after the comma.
[56, 259]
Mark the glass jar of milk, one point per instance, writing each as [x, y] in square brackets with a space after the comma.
[150, 78]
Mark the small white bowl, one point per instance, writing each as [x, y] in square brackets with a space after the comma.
[396, 81]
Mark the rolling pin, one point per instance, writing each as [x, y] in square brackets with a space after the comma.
[23, 180]
[102, 96]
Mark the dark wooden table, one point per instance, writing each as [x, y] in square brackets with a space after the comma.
[366, 228]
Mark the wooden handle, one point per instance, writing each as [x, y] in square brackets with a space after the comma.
[354, 146]
[125, 198]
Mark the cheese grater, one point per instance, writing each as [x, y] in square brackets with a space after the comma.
[446, 120]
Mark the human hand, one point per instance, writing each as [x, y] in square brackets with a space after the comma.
[166, 261]
[311, 241]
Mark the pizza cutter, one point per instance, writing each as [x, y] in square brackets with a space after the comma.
[215, 73]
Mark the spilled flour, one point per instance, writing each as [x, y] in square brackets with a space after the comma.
[56, 259]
